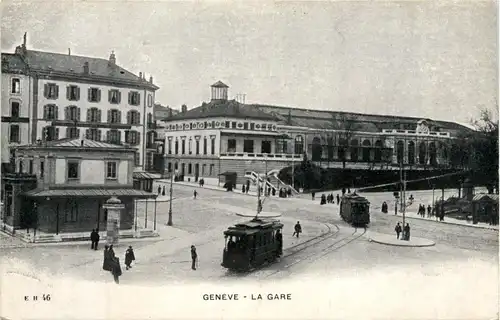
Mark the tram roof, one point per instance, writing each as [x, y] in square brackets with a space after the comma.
[253, 226]
[355, 198]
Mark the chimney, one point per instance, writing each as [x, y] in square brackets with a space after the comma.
[184, 108]
[150, 79]
[69, 51]
[86, 68]
[112, 58]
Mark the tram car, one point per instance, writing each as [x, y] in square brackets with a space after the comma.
[251, 244]
[355, 209]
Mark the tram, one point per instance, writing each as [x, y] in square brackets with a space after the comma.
[252, 244]
[355, 209]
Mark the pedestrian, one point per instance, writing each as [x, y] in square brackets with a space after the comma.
[313, 194]
[129, 257]
[323, 199]
[338, 199]
[429, 210]
[242, 188]
[97, 238]
[398, 230]
[407, 232]
[106, 265]
[111, 252]
[298, 229]
[195, 193]
[159, 189]
[163, 192]
[117, 270]
[93, 239]
[194, 257]
[279, 240]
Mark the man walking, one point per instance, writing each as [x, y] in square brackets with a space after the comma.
[398, 230]
[159, 190]
[97, 238]
[407, 232]
[194, 257]
[338, 199]
[195, 194]
[129, 257]
[93, 239]
[298, 229]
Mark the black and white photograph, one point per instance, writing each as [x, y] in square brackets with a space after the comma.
[249, 160]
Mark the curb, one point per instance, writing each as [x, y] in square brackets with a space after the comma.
[452, 223]
[430, 244]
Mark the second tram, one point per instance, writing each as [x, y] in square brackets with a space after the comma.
[355, 209]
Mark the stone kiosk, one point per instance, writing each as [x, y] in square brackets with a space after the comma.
[114, 208]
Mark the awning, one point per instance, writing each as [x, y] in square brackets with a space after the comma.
[98, 192]
[146, 176]
[483, 196]
[227, 173]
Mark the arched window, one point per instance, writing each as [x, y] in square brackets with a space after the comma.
[316, 149]
[400, 151]
[354, 150]
[378, 151]
[422, 150]
[342, 148]
[299, 145]
[366, 150]
[330, 148]
[411, 152]
[432, 154]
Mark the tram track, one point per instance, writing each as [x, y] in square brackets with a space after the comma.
[340, 243]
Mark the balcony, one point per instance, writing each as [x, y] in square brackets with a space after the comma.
[84, 124]
[262, 156]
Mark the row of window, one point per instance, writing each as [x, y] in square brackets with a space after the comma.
[248, 146]
[204, 172]
[132, 137]
[190, 146]
[72, 113]
[221, 125]
[51, 91]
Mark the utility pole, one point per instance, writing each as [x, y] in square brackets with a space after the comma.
[259, 204]
[404, 197]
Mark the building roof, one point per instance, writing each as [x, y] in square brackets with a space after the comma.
[12, 62]
[220, 84]
[90, 192]
[142, 175]
[484, 196]
[223, 108]
[76, 143]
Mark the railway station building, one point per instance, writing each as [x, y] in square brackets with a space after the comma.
[227, 136]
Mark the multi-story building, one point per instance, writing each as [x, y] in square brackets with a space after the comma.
[48, 96]
[61, 186]
[228, 136]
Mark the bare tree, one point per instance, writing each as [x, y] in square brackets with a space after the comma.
[346, 125]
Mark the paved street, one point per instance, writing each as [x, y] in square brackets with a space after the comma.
[461, 253]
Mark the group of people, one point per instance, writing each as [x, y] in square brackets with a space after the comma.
[405, 232]
[421, 211]
[112, 262]
[329, 199]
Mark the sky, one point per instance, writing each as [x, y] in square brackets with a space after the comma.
[425, 59]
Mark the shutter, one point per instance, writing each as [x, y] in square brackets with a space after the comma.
[99, 115]
[57, 92]
[67, 132]
[119, 138]
[57, 134]
[109, 96]
[119, 96]
[77, 93]
[89, 94]
[108, 135]
[45, 112]
[78, 113]
[138, 119]
[98, 95]
[138, 137]
[87, 133]
[109, 116]
[130, 119]
[68, 89]
[78, 132]
[127, 136]
[119, 117]
[66, 113]
[98, 135]
[89, 115]
[138, 98]
[45, 90]
[130, 98]
[56, 112]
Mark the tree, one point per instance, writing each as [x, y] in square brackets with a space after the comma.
[484, 143]
[346, 125]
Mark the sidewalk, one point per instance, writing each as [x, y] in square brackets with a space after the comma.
[391, 240]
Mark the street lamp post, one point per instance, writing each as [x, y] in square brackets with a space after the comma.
[169, 223]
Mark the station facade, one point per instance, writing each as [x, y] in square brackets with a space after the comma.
[228, 136]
